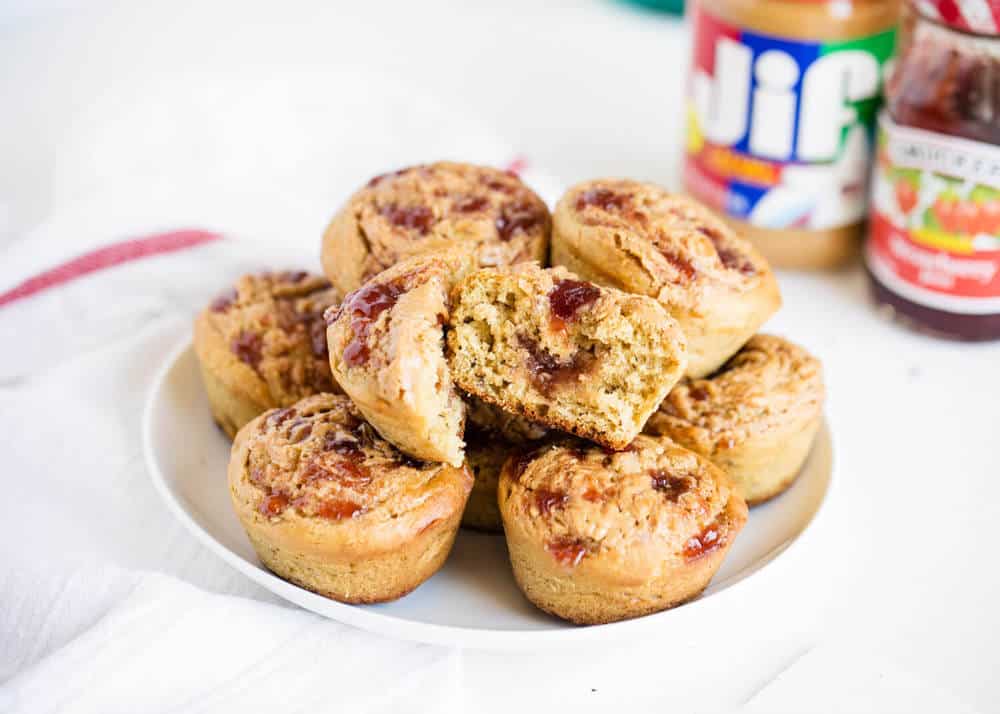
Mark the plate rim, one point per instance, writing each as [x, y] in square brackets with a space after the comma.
[448, 635]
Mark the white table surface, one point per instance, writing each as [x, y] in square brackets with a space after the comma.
[904, 563]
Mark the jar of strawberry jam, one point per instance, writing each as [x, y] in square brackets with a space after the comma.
[933, 250]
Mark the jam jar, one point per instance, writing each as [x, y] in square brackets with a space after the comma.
[933, 249]
[783, 97]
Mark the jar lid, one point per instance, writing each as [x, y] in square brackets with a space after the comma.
[979, 16]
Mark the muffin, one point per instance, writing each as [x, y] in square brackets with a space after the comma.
[596, 537]
[755, 418]
[639, 238]
[431, 208]
[262, 344]
[386, 346]
[491, 437]
[331, 506]
[565, 353]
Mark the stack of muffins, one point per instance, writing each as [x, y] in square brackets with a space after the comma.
[612, 414]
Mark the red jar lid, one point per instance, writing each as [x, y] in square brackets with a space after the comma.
[979, 16]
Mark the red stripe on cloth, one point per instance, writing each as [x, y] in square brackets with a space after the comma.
[994, 8]
[106, 257]
[951, 13]
[517, 165]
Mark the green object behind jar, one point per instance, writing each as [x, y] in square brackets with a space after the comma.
[674, 7]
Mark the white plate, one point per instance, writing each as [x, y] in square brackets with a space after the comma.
[472, 601]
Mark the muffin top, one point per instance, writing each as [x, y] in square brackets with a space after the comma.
[319, 460]
[273, 324]
[432, 208]
[678, 248]
[652, 503]
[767, 383]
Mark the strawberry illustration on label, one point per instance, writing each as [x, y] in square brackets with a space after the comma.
[989, 217]
[906, 196]
[944, 213]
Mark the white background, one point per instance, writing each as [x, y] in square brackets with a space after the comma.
[906, 565]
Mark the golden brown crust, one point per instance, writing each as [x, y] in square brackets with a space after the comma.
[755, 417]
[262, 344]
[639, 238]
[434, 207]
[387, 353]
[562, 352]
[598, 536]
[332, 506]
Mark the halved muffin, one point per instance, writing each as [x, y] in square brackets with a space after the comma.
[386, 345]
[592, 361]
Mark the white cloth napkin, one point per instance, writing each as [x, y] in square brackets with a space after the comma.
[106, 603]
[841, 678]
[148, 642]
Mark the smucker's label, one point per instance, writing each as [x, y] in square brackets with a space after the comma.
[934, 236]
[779, 131]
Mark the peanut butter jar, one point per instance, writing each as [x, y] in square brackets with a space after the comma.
[783, 97]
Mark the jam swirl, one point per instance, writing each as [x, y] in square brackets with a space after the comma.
[569, 297]
[364, 306]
